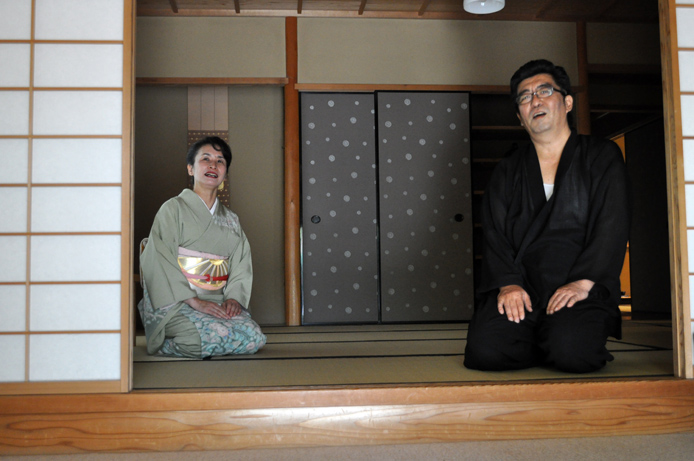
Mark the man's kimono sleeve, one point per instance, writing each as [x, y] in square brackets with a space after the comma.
[499, 268]
[165, 282]
[240, 281]
[608, 223]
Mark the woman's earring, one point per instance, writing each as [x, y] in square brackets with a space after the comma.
[221, 186]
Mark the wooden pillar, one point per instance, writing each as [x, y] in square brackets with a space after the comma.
[582, 104]
[292, 190]
[674, 164]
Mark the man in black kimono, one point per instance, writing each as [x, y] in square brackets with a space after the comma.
[556, 221]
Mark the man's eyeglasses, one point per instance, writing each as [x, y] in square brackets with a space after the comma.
[542, 92]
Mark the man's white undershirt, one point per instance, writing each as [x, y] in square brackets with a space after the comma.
[549, 188]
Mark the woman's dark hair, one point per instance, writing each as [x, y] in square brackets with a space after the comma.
[217, 144]
[540, 66]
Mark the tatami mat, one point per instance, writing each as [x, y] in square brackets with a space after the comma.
[376, 354]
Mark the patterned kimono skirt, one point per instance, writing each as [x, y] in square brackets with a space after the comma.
[194, 334]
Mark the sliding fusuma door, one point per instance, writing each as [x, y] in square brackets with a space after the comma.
[386, 208]
[339, 209]
[425, 207]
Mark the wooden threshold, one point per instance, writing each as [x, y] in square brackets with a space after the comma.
[306, 417]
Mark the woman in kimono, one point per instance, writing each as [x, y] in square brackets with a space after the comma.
[196, 268]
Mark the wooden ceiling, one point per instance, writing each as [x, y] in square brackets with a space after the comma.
[631, 11]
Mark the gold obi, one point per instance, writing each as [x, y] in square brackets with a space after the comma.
[204, 270]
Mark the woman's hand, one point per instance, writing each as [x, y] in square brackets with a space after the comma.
[232, 307]
[569, 294]
[513, 300]
[208, 307]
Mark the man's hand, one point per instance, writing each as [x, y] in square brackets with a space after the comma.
[513, 301]
[569, 294]
[208, 307]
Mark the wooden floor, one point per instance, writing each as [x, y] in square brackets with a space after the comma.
[384, 355]
[421, 411]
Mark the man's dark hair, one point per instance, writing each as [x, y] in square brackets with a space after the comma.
[540, 66]
[217, 144]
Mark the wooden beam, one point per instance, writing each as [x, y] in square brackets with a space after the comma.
[423, 8]
[299, 6]
[174, 7]
[492, 89]
[362, 6]
[607, 5]
[237, 7]
[644, 69]
[292, 184]
[544, 8]
[201, 81]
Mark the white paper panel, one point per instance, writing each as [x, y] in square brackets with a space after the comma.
[75, 209]
[12, 359]
[78, 258]
[78, 65]
[15, 63]
[688, 159]
[686, 59]
[15, 19]
[79, 19]
[13, 308]
[77, 112]
[13, 258]
[691, 292]
[75, 307]
[14, 152]
[13, 205]
[690, 248]
[66, 160]
[685, 27]
[14, 116]
[687, 114]
[74, 357]
[689, 203]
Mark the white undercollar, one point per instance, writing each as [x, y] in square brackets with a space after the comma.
[214, 207]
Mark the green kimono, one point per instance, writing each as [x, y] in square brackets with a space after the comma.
[193, 253]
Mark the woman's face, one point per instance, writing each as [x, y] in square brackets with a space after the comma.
[209, 168]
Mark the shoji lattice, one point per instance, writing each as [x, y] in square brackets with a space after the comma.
[64, 128]
[685, 44]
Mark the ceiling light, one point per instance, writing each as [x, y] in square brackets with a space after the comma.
[483, 6]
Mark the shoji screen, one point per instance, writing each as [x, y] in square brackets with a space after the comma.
[64, 194]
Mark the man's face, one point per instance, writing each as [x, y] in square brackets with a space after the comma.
[543, 115]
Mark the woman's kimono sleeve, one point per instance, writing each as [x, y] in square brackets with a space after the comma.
[240, 281]
[165, 282]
